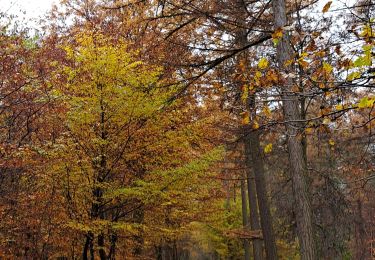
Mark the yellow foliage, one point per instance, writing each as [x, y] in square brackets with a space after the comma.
[245, 118]
[309, 130]
[327, 67]
[267, 111]
[268, 148]
[263, 63]
[339, 107]
[366, 102]
[255, 125]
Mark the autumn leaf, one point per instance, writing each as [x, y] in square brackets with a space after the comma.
[367, 31]
[245, 93]
[268, 148]
[339, 107]
[363, 61]
[354, 75]
[331, 142]
[267, 111]
[304, 64]
[255, 125]
[288, 63]
[263, 63]
[272, 76]
[258, 74]
[327, 6]
[366, 102]
[327, 67]
[245, 118]
[303, 54]
[276, 36]
[326, 121]
[309, 130]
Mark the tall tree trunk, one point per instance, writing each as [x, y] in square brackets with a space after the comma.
[91, 245]
[255, 159]
[102, 171]
[112, 250]
[102, 253]
[245, 219]
[88, 246]
[253, 206]
[86, 249]
[241, 40]
[360, 233]
[102, 175]
[294, 130]
[257, 163]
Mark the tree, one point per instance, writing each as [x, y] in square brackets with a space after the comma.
[297, 160]
[113, 160]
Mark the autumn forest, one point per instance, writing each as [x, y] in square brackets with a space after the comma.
[189, 129]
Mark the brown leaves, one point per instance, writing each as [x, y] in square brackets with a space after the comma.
[327, 6]
[276, 36]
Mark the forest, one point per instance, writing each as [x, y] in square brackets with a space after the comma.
[189, 129]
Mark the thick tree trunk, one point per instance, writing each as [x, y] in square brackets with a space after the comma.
[245, 219]
[294, 130]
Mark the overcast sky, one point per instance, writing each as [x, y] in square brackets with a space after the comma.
[34, 8]
[31, 10]
[27, 10]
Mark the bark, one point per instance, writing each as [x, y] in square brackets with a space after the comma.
[253, 208]
[112, 250]
[92, 252]
[294, 129]
[96, 210]
[101, 177]
[255, 160]
[245, 219]
[102, 253]
[360, 233]
[256, 156]
[88, 246]
[138, 217]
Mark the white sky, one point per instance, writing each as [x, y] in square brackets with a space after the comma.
[34, 8]
[31, 10]
[27, 10]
